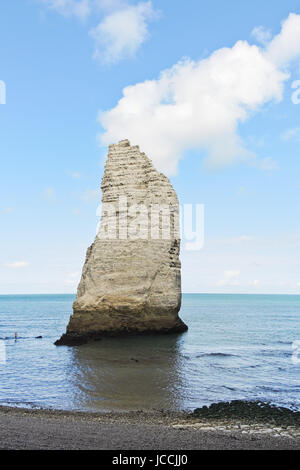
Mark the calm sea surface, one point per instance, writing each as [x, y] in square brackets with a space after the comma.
[237, 347]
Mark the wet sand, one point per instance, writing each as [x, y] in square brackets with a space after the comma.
[46, 429]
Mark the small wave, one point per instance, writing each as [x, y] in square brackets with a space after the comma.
[279, 389]
[253, 366]
[19, 404]
[275, 353]
[6, 338]
[216, 354]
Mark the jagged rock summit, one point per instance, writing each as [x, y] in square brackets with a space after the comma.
[131, 279]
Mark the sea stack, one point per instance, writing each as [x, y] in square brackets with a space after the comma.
[131, 279]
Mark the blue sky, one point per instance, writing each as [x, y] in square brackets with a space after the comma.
[66, 64]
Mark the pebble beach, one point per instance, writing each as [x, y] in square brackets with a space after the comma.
[24, 429]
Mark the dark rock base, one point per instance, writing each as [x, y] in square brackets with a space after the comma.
[249, 411]
[77, 339]
[71, 340]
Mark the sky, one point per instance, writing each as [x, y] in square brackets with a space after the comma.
[209, 90]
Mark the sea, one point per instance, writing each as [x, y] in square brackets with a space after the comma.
[238, 347]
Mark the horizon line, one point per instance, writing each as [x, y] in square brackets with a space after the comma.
[183, 293]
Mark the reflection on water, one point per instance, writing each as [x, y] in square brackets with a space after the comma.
[128, 373]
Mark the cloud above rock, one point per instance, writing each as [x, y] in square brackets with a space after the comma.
[122, 33]
[17, 265]
[200, 104]
[122, 28]
[78, 8]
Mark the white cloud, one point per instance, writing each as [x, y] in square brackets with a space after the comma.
[78, 8]
[268, 164]
[241, 191]
[82, 8]
[73, 278]
[230, 278]
[255, 282]
[121, 33]
[49, 194]
[108, 4]
[199, 105]
[234, 240]
[245, 238]
[76, 212]
[17, 264]
[75, 175]
[255, 260]
[8, 210]
[196, 105]
[91, 195]
[285, 47]
[291, 134]
[261, 34]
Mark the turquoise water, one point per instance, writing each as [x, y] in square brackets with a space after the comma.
[237, 347]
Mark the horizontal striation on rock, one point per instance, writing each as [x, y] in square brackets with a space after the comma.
[131, 279]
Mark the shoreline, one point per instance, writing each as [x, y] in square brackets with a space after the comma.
[22, 428]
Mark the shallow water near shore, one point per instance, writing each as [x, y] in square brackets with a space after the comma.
[238, 347]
